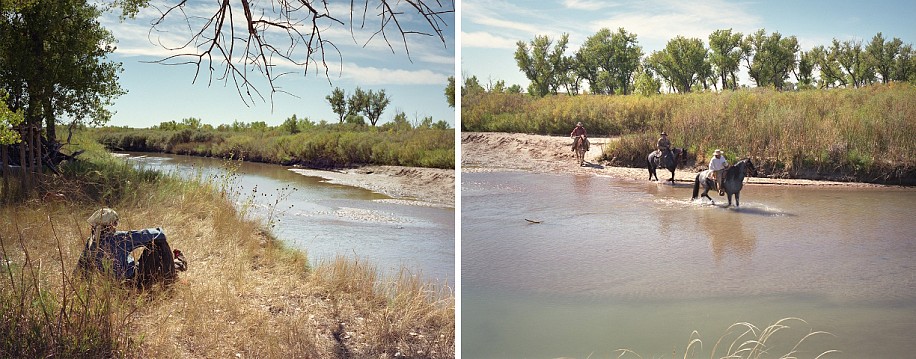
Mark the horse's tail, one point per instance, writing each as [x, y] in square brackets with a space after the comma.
[696, 187]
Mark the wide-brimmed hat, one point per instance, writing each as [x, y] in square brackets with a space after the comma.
[664, 134]
[717, 152]
[578, 123]
[104, 217]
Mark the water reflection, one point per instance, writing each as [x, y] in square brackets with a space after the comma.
[727, 234]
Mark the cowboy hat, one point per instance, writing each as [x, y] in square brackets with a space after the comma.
[664, 134]
[578, 123]
[104, 217]
[717, 152]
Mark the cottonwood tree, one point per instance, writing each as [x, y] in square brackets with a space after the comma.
[854, 62]
[830, 73]
[235, 39]
[883, 54]
[905, 64]
[805, 69]
[541, 63]
[337, 100]
[375, 104]
[682, 63]
[53, 62]
[770, 59]
[725, 56]
[608, 61]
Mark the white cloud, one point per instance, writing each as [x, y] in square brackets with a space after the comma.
[486, 40]
[369, 75]
[589, 5]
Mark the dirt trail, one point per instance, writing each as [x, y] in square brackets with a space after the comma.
[489, 151]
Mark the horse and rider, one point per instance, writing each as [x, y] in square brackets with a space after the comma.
[580, 142]
[664, 156]
[724, 178]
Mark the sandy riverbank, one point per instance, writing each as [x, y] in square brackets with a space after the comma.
[489, 151]
[418, 185]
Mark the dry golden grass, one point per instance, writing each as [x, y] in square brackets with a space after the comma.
[244, 294]
[747, 341]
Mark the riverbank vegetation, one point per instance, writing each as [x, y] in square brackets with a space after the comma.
[862, 134]
[244, 295]
[297, 142]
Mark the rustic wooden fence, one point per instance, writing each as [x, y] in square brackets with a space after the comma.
[21, 163]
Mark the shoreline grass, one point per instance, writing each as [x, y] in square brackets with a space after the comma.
[331, 146]
[245, 293]
[863, 135]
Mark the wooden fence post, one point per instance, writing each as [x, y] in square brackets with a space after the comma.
[4, 161]
[23, 174]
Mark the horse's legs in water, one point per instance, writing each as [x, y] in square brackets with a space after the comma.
[737, 203]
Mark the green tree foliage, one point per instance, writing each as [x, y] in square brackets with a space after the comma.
[542, 63]
[609, 60]
[645, 83]
[883, 54]
[570, 75]
[725, 56]
[905, 65]
[53, 62]
[8, 119]
[356, 102]
[399, 123]
[337, 100]
[681, 64]
[854, 62]
[804, 75]
[354, 119]
[375, 105]
[290, 125]
[830, 73]
[471, 87]
[770, 59]
[450, 92]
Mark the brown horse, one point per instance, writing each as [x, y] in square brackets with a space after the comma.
[580, 146]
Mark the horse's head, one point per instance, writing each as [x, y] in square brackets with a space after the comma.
[750, 167]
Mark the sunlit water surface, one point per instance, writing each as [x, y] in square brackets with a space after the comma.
[622, 264]
[328, 220]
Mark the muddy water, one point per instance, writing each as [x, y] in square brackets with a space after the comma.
[326, 220]
[622, 264]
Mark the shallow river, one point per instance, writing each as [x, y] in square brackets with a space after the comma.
[326, 220]
[621, 264]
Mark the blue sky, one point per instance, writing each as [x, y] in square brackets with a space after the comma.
[158, 93]
[490, 28]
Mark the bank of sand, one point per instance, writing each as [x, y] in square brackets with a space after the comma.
[410, 185]
[496, 151]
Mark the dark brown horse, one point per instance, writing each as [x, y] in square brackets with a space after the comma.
[667, 160]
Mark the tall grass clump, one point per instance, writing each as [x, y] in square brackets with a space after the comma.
[863, 134]
[245, 294]
[747, 341]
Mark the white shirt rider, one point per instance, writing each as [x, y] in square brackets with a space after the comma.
[718, 163]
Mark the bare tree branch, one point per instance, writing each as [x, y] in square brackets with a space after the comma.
[281, 34]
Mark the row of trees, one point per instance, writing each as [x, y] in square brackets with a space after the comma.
[293, 125]
[614, 63]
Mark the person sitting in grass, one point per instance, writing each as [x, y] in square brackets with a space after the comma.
[110, 251]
